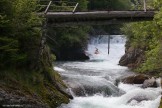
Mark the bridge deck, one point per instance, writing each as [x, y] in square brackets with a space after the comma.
[99, 17]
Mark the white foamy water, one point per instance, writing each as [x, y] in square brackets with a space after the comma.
[58, 69]
[113, 102]
[93, 82]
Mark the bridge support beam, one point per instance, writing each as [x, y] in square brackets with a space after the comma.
[108, 44]
[144, 5]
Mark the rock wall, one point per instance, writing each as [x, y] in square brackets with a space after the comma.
[72, 55]
[39, 88]
[46, 90]
[133, 57]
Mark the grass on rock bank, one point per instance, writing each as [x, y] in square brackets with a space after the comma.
[36, 85]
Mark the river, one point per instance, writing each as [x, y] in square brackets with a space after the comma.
[93, 82]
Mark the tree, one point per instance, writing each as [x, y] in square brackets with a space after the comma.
[67, 42]
[148, 39]
[20, 36]
[109, 4]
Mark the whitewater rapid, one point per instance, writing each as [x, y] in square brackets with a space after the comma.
[92, 82]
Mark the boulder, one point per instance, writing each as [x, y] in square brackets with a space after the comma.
[85, 89]
[133, 57]
[137, 96]
[117, 82]
[135, 79]
[138, 99]
[150, 83]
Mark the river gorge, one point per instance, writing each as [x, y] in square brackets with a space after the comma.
[93, 82]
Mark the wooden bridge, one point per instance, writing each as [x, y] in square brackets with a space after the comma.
[95, 17]
[92, 18]
[98, 17]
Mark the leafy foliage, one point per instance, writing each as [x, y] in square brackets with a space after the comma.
[67, 39]
[109, 4]
[148, 37]
[19, 38]
[74, 38]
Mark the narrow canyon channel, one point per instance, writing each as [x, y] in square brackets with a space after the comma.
[94, 83]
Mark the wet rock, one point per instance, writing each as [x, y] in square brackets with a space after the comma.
[90, 90]
[79, 91]
[138, 99]
[14, 98]
[135, 79]
[160, 106]
[64, 91]
[132, 57]
[117, 81]
[72, 55]
[150, 83]
[137, 96]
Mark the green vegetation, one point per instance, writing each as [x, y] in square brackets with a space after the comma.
[19, 33]
[68, 42]
[26, 68]
[39, 86]
[22, 67]
[147, 36]
[109, 4]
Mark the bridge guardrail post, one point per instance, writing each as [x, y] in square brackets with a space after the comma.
[75, 7]
[45, 12]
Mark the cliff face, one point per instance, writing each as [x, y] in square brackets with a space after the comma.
[72, 54]
[133, 57]
[41, 94]
[27, 88]
[68, 43]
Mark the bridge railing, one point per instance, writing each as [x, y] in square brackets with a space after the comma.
[145, 5]
[65, 6]
[57, 6]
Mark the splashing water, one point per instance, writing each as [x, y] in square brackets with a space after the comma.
[93, 82]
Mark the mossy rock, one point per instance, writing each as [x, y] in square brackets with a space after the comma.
[160, 103]
[34, 86]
